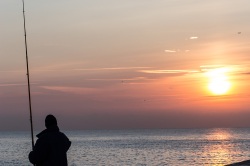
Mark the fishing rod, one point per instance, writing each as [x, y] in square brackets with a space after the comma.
[28, 78]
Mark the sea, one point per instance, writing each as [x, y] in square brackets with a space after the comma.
[154, 147]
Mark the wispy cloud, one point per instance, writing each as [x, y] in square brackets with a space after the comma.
[5, 85]
[84, 69]
[193, 37]
[112, 68]
[170, 51]
[73, 90]
[205, 68]
[233, 69]
[246, 73]
[168, 71]
[176, 51]
[118, 79]
[12, 71]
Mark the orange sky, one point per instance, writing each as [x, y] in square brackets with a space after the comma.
[126, 64]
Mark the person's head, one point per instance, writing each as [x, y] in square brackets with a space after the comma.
[50, 120]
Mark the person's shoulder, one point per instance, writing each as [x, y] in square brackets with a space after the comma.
[44, 136]
[62, 134]
[64, 137]
[43, 139]
[48, 135]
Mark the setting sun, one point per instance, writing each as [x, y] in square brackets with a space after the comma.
[218, 83]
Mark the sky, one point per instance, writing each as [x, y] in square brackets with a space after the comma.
[131, 64]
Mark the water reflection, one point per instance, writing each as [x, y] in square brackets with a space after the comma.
[218, 151]
[219, 134]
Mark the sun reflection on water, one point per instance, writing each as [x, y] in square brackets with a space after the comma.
[219, 134]
[218, 153]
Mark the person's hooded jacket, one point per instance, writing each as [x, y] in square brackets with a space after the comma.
[50, 148]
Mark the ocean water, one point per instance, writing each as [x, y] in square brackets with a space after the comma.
[173, 147]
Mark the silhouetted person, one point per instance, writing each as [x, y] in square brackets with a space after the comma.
[51, 146]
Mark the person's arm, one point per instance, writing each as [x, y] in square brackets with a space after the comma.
[67, 142]
[40, 152]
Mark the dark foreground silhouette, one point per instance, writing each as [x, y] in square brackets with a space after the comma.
[51, 147]
[243, 163]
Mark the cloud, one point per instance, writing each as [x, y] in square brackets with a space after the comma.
[117, 79]
[193, 37]
[13, 71]
[211, 66]
[205, 68]
[72, 90]
[232, 69]
[106, 69]
[248, 73]
[4, 85]
[175, 51]
[170, 51]
[168, 71]
[112, 68]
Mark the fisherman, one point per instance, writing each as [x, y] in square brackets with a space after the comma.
[51, 146]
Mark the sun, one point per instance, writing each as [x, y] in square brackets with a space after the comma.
[219, 86]
[218, 81]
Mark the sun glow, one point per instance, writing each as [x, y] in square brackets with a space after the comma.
[218, 83]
